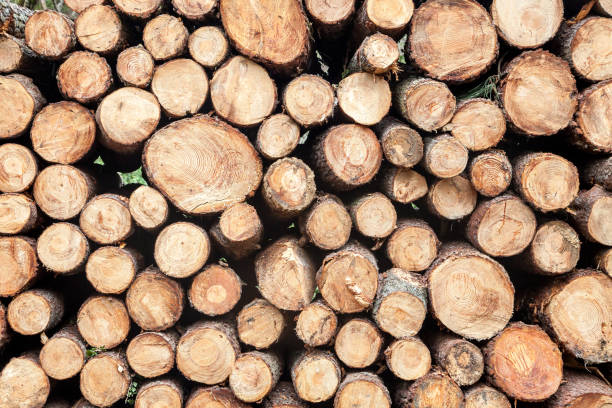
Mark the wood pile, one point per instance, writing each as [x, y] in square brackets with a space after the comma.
[291, 204]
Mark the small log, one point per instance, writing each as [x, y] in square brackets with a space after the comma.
[105, 379]
[543, 109]
[181, 87]
[377, 54]
[425, 103]
[238, 231]
[215, 290]
[277, 136]
[35, 311]
[181, 249]
[50, 34]
[23, 383]
[591, 128]
[362, 390]
[20, 100]
[99, 29]
[502, 226]
[5, 334]
[327, 224]
[18, 214]
[435, 388]
[348, 278]
[15, 55]
[403, 185]
[209, 397]
[373, 215]
[330, 19]
[208, 46]
[281, 25]
[232, 172]
[604, 7]
[20, 266]
[62, 248]
[597, 171]
[126, 118]
[207, 351]
[154, 301]
[358, 343]
[408, 358]
[135, 67]
[254, 375]
[401, 303]
[63, 132]
[18, 168]
[347, 156]
[234, 87]
[79, 5]
[316, 375]
[139, 9]
[490, 173]
[194, 10]
[112, 269]
[288, 187]
[462, 360]
[316, 325]
[260, 324]
[64, 354]
[591, 213]
[524, 363]
[148, 207]
[603, 261]
[273, 265]
[477, 123]
[586, 47]
[151, 354]
[103, 321]
[483, 396]
[444, 156]
[165, 392]
[165, 37]
[364, 98]
[413, 245]
[401, 145]
[546, 181]
[106, 219]
[389, 17]
[580, 389]
[555, 249]
[309, 100]
[484, 292]
[516, 27]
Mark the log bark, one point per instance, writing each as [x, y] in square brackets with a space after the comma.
[401, 145]
[435, 388]
[444, 156]
[62, 248]
[327, 224]
[181, 249]
[373, 215]
[15, 55]
[18, 255]
[154, 301]
[478, 310]
[286, 258]
[309, 100]
[502, 226]
[364, 98]
[477, 123]
[543, 109]
[546, 181]
[18, 168]
[347, 156]
[254, 375]
[316, 325]
[358, 343]
[215, 290]
[99, 29]
[271, 32]
[378, 54]
[260, 324]
[592, 127]
[483, 396]
[490, 173]
[111, 269]
[597, 171]
[195, 10]
[400, 306]
[35, 311]
[138, 9]
[18, 14]
[165, 37]
[361, 390]
[5, 334]
[149, 208]
[288, 187]
[103, 321]
[106, 219]
[316, 375]
[413, 245]
[283, 396]
[23, 383]
[591, 214]
[462, 360]
[555, 249]
[207, 351]
[151, 354]
[474, 47]
[348, 278]
[408, 358]
[209, 397]
[233, 172]
[585, 46]
[18, 214]
[105, 379]
[524, 363]
[135, 67]
[20, 100]
[85, 77]
[208, 46]
[389, 17]
[603, 261]
[516, 28]
[64, 354]
[402, 185]
[50, 34]
[330, 19]
[165, 392]
[239, 231]
[181, 87]
[277, 136]
[580, 389]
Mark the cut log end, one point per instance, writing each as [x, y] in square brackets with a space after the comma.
[592, 127]
[18, 168]
[166, 393]
[238, 231]
[425, 103]
[209, 397]
[361, 390]
[148, 207]
[316, 324]
[452, 198]
[591, 212]
[483, 396]
[260, 324]
[23, 383]
[105, 379]
[181, 87]
[330, 18]
[358, 343]
[403, 185]
[84, 76]
[316, 376]
[135, 67]
[208, 46]
[309, 100]
[20, 100]
[62, 248]
[462, 360]
[491, 173]
[327, 224]
[478, 123]
[586, 47]
[433, 389]
[99, 29]
[111, 269]
[152, 354]
[581, 390]
[365, 98]
[79, 5]
[103, 321]
[555, 248]
[138, 9]
[61, 191]
[18, 255]
[35, 311]
[386, 16]
[377, 54]
[413, 245]
[254, 375]
[374, 215]
[402, 146]
[196, 10]
[288, 187]
[18, 213]
[165, 37]
[215, 290]
[444, 156]
[408, 358]
[50, 34]
[64, 354]
[106, 219]
[277, 136]
[181, 249]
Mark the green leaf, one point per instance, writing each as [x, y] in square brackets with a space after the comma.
[291, 226]
[414, 206]
[134, 177]
[401, 44]
[345, 73]
[99, 161]
[304, 137]
[94, 351]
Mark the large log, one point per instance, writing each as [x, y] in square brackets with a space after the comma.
[424, 102]
[413, 246]
[105, 379]
[18, 255]
[18, 168]
[555, 249]
[580, 389]
[103, 321]
[106, 219]
[288, 187]
[490, 172]
[389, 17]
[373, 215]
[18, 214]
[50, 34]
[364, 98]
[164, 392]
[402, 146]
[99, 29]
[61, 191]
[111, 269]
[478, 123]
[181, 87]
[20, 100]
[309, 100]
[135, 67]
[64, 354]
[165, 37]
[23, 383]
[462, 360]
[408, 358]
[62, 248]
[35, 311]
[254, 375]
